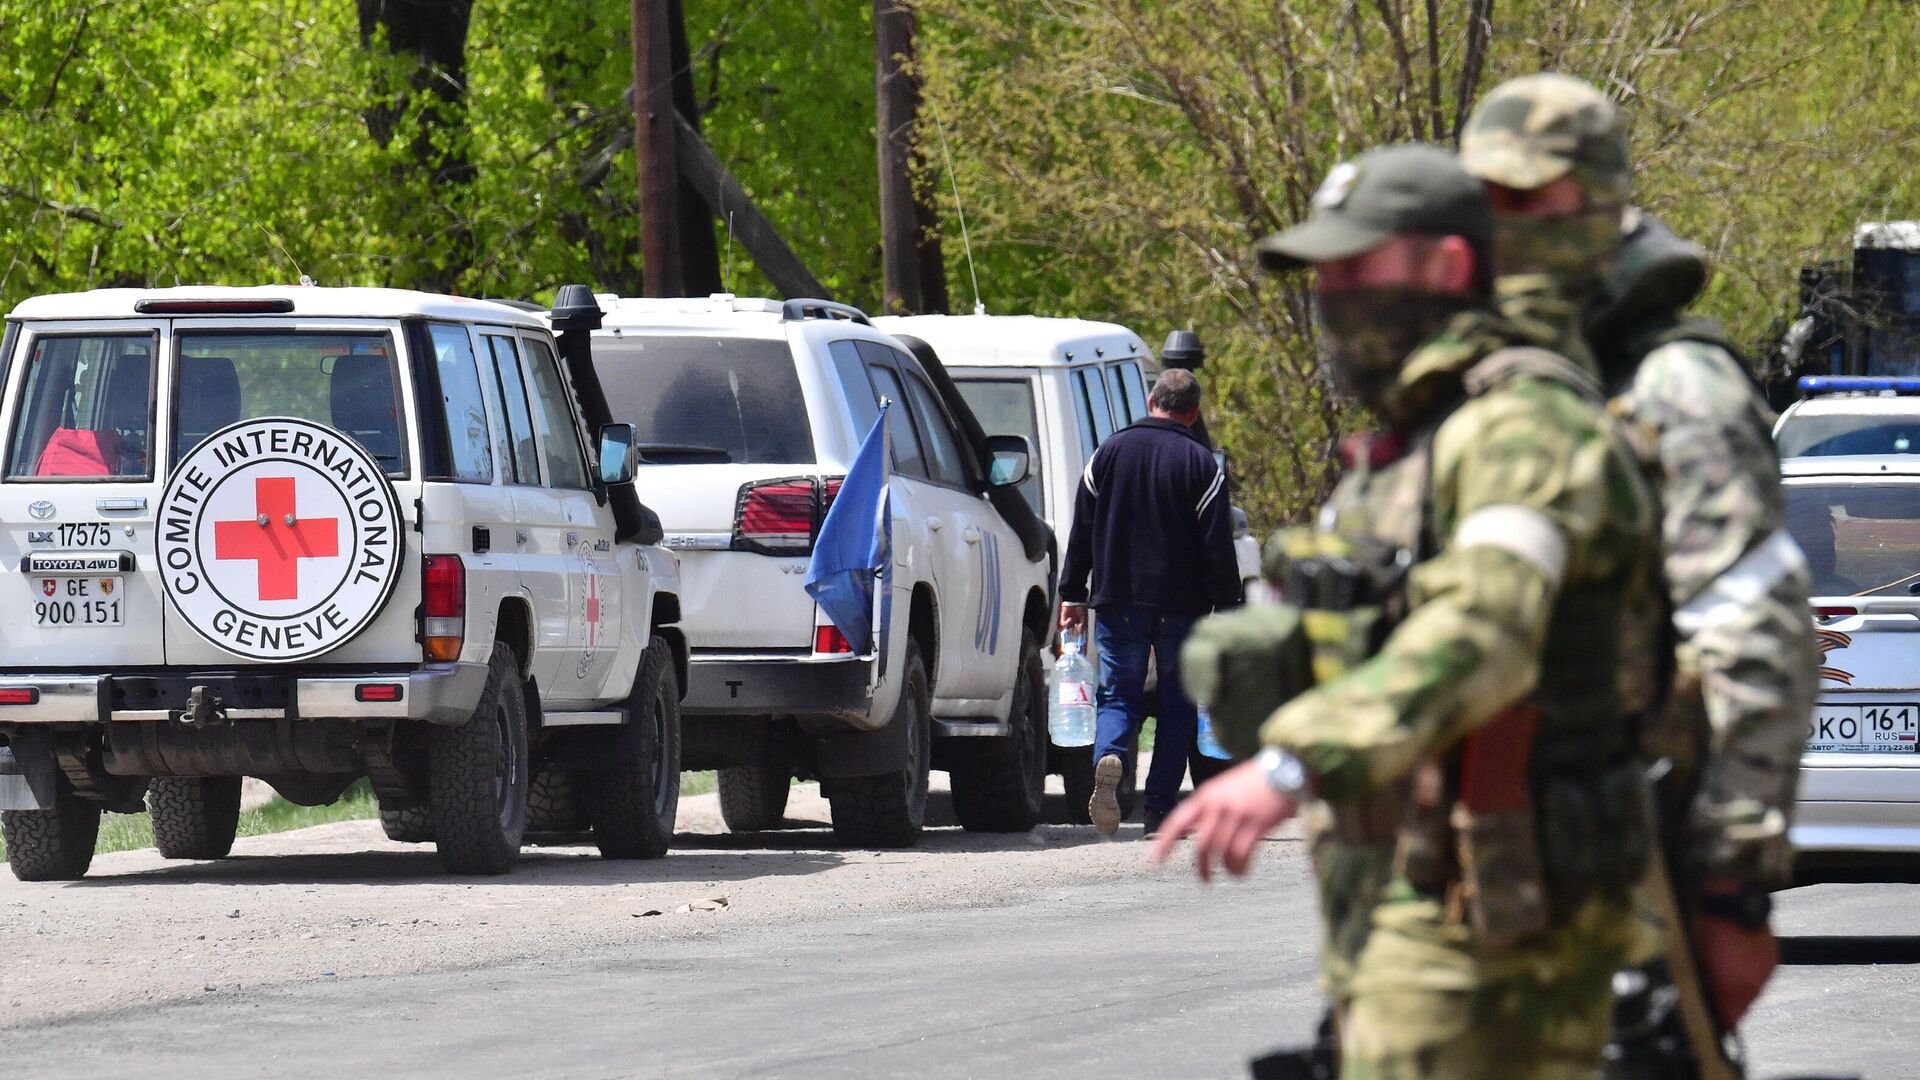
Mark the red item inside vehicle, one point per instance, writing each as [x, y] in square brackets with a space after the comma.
[78, 452]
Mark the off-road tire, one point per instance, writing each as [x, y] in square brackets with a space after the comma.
[553, 803]
[408, 825]
[194, 817]
[999, 784]
[753, 798]
[1076, 775]
[477, 776]
[887, 811]
[633, 805]
[52, 845]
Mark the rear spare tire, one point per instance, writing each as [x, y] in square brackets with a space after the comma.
[887, 811]
[194, 817]
[753, 798]
[52, 845]
[998, 784]
[477, 776]
[633, 804]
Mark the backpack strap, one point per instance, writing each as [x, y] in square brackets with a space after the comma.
[1515, 360]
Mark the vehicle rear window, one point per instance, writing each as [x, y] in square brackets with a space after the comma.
[1831, 436]
[1005, 407]
[86, 412]
[1858, 538]
[343, 380]
[710, 399]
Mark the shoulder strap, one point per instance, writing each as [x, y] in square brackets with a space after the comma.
[1514, 360]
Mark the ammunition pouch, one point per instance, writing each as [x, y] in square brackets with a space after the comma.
[1243, 664]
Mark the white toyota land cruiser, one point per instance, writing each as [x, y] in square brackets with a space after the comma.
[309, 535]
[750, 412]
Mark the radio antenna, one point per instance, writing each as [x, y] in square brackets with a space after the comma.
[960, 208]
[729, 279]
[288, 255]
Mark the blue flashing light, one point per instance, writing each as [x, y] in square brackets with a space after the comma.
[1857, 384]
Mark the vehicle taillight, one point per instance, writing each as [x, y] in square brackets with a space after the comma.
[776, 518]
[443, 606]
[829, 639]
[19, 695]
[1835, 612]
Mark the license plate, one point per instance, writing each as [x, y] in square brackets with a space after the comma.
[79, 601]
[1865, 729]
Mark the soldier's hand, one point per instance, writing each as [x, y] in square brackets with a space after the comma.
[1073, 618]
[1227, 816]
[1735, 962]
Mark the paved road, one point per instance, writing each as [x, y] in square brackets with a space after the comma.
[1097, 969]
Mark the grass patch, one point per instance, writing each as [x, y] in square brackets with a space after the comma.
[699, 783]
[131, 832]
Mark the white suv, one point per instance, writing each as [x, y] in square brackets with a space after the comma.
[315, 534]
[749, 413]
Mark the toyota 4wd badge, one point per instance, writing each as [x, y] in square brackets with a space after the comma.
[279, 539]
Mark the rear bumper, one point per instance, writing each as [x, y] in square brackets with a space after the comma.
[441, 693]
[777, 686]
[1864, 808]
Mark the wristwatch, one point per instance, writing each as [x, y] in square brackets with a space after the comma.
[1749, 906]
[1283, 771]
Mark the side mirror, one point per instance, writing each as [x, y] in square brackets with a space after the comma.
[1012, 459]
[619, 454]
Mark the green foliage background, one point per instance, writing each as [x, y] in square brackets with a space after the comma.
[1114, 157]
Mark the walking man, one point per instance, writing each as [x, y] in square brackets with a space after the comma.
[1152, 529]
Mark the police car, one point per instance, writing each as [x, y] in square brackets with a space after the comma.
[310, 535]
[750, 412]
[1851, 469]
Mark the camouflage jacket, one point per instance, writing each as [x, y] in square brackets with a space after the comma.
[1539, 524]
[1737, 585]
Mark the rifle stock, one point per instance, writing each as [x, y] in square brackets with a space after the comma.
[1696, 1011]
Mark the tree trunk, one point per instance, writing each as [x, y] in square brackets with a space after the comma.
[910, 256]
[432, 34]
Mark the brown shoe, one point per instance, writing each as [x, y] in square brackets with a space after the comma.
[1104, 807]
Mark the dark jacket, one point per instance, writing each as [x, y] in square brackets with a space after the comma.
[1152, 526]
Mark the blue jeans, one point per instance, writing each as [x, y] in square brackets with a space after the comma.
[1126, 636]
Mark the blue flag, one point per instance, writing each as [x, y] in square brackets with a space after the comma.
[855, 541]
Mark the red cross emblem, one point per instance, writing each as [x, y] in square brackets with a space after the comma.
[276, 540]
[593, 608]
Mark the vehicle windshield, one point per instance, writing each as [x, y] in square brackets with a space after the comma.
[1835, 435]
[86, 412]
[1859, 539]
[1005, 407]
[707, 399]
[343, 380]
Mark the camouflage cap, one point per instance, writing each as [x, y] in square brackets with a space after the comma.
[1389, 191]
[1536, 129]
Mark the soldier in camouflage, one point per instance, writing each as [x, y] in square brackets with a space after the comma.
[1553, 153]
[1476, 591]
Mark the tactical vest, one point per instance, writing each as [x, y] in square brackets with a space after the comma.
[1586, 829]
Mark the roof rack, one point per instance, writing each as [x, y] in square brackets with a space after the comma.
[823, 309]
[1813, 385]
[523, 305]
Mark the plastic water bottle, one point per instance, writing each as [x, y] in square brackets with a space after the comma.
[1210, 744]
[1070, 712]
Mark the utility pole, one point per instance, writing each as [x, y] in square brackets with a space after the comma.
[653, 150]
[909, 245]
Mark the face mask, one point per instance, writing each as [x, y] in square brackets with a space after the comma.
[1366, 335]
[1568, 248]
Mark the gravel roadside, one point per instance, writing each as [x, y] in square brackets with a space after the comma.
[340, 901]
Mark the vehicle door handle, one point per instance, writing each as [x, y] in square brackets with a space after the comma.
[971, 535]
[520, 536]
[934, 523]
[573, 538]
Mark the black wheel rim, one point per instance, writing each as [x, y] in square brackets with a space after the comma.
[506, 766]
[657, 776]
